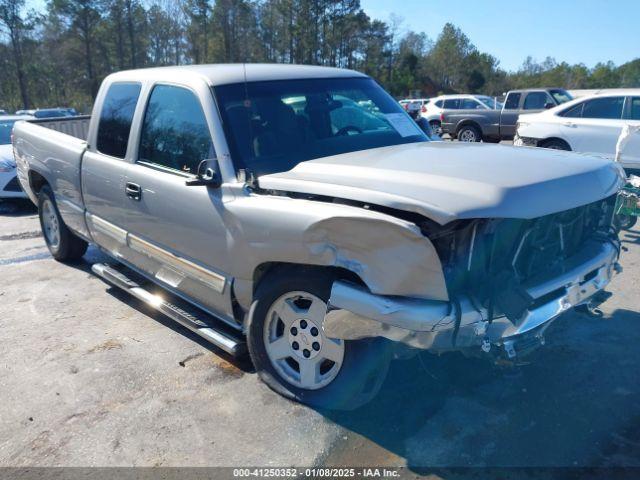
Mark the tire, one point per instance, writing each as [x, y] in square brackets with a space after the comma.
[347, 383]
[626, 222]
[469, 133]
[436, 127]
[556, 144]
[63, 245]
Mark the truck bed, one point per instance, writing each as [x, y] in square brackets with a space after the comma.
[75, 126]
[52, 149]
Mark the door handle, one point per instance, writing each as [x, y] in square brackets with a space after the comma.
[133, 191]
[570, 124]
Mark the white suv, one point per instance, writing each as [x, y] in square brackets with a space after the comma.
[590, 124]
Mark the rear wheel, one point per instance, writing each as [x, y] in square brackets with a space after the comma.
[63, 245]
[293, 356]
[469, 133]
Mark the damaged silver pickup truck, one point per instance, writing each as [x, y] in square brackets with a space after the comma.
[298, 211]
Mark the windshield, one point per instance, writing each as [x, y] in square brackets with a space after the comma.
[560, 96]
[272, 126]
[5, 131]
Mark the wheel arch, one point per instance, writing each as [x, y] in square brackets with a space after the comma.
[543, 143]
[37, 181]
[242, 291]
[268, 268]
[469, 123]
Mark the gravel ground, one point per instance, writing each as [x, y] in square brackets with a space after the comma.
[88, 377]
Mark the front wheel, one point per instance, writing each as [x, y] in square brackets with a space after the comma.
[63, 245]
[293, 356]
[469, 133]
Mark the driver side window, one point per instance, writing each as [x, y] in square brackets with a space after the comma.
[175, 134]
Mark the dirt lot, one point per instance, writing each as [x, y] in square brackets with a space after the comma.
[88, 377]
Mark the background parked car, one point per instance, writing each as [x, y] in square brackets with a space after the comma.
[416, 107]
[469, 122]
[588, 124]
[436, 107]
[9, 185]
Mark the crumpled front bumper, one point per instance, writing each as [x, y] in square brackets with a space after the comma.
[355, 313]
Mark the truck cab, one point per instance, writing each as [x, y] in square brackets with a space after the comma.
[528, 101]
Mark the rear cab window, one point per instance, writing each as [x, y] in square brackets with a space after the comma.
[116, 116]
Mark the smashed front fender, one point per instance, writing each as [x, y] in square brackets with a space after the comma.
[390, 255]
[396, 260]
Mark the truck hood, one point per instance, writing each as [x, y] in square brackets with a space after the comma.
[445, 181]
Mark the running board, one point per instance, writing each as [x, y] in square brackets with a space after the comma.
[194, 319]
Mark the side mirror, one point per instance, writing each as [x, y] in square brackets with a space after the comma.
[207, 175]
[548, 105]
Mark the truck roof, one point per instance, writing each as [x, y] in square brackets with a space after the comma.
[227, 73]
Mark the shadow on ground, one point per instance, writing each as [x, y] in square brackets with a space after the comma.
[576, 404]
[17, 208]
[94, 255]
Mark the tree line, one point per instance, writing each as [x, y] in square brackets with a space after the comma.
[59, 56]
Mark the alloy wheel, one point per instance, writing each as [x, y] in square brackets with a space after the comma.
[296, 345]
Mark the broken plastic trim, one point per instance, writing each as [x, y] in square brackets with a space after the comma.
[354, 313]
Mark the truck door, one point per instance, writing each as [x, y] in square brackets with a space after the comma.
[177, 233]
[509, 115]
[104, 166]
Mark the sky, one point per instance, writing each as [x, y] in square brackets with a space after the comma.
[575, 31]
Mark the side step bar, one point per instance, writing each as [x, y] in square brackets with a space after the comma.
[194, 319]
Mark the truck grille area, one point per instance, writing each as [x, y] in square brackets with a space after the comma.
[490, 260]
